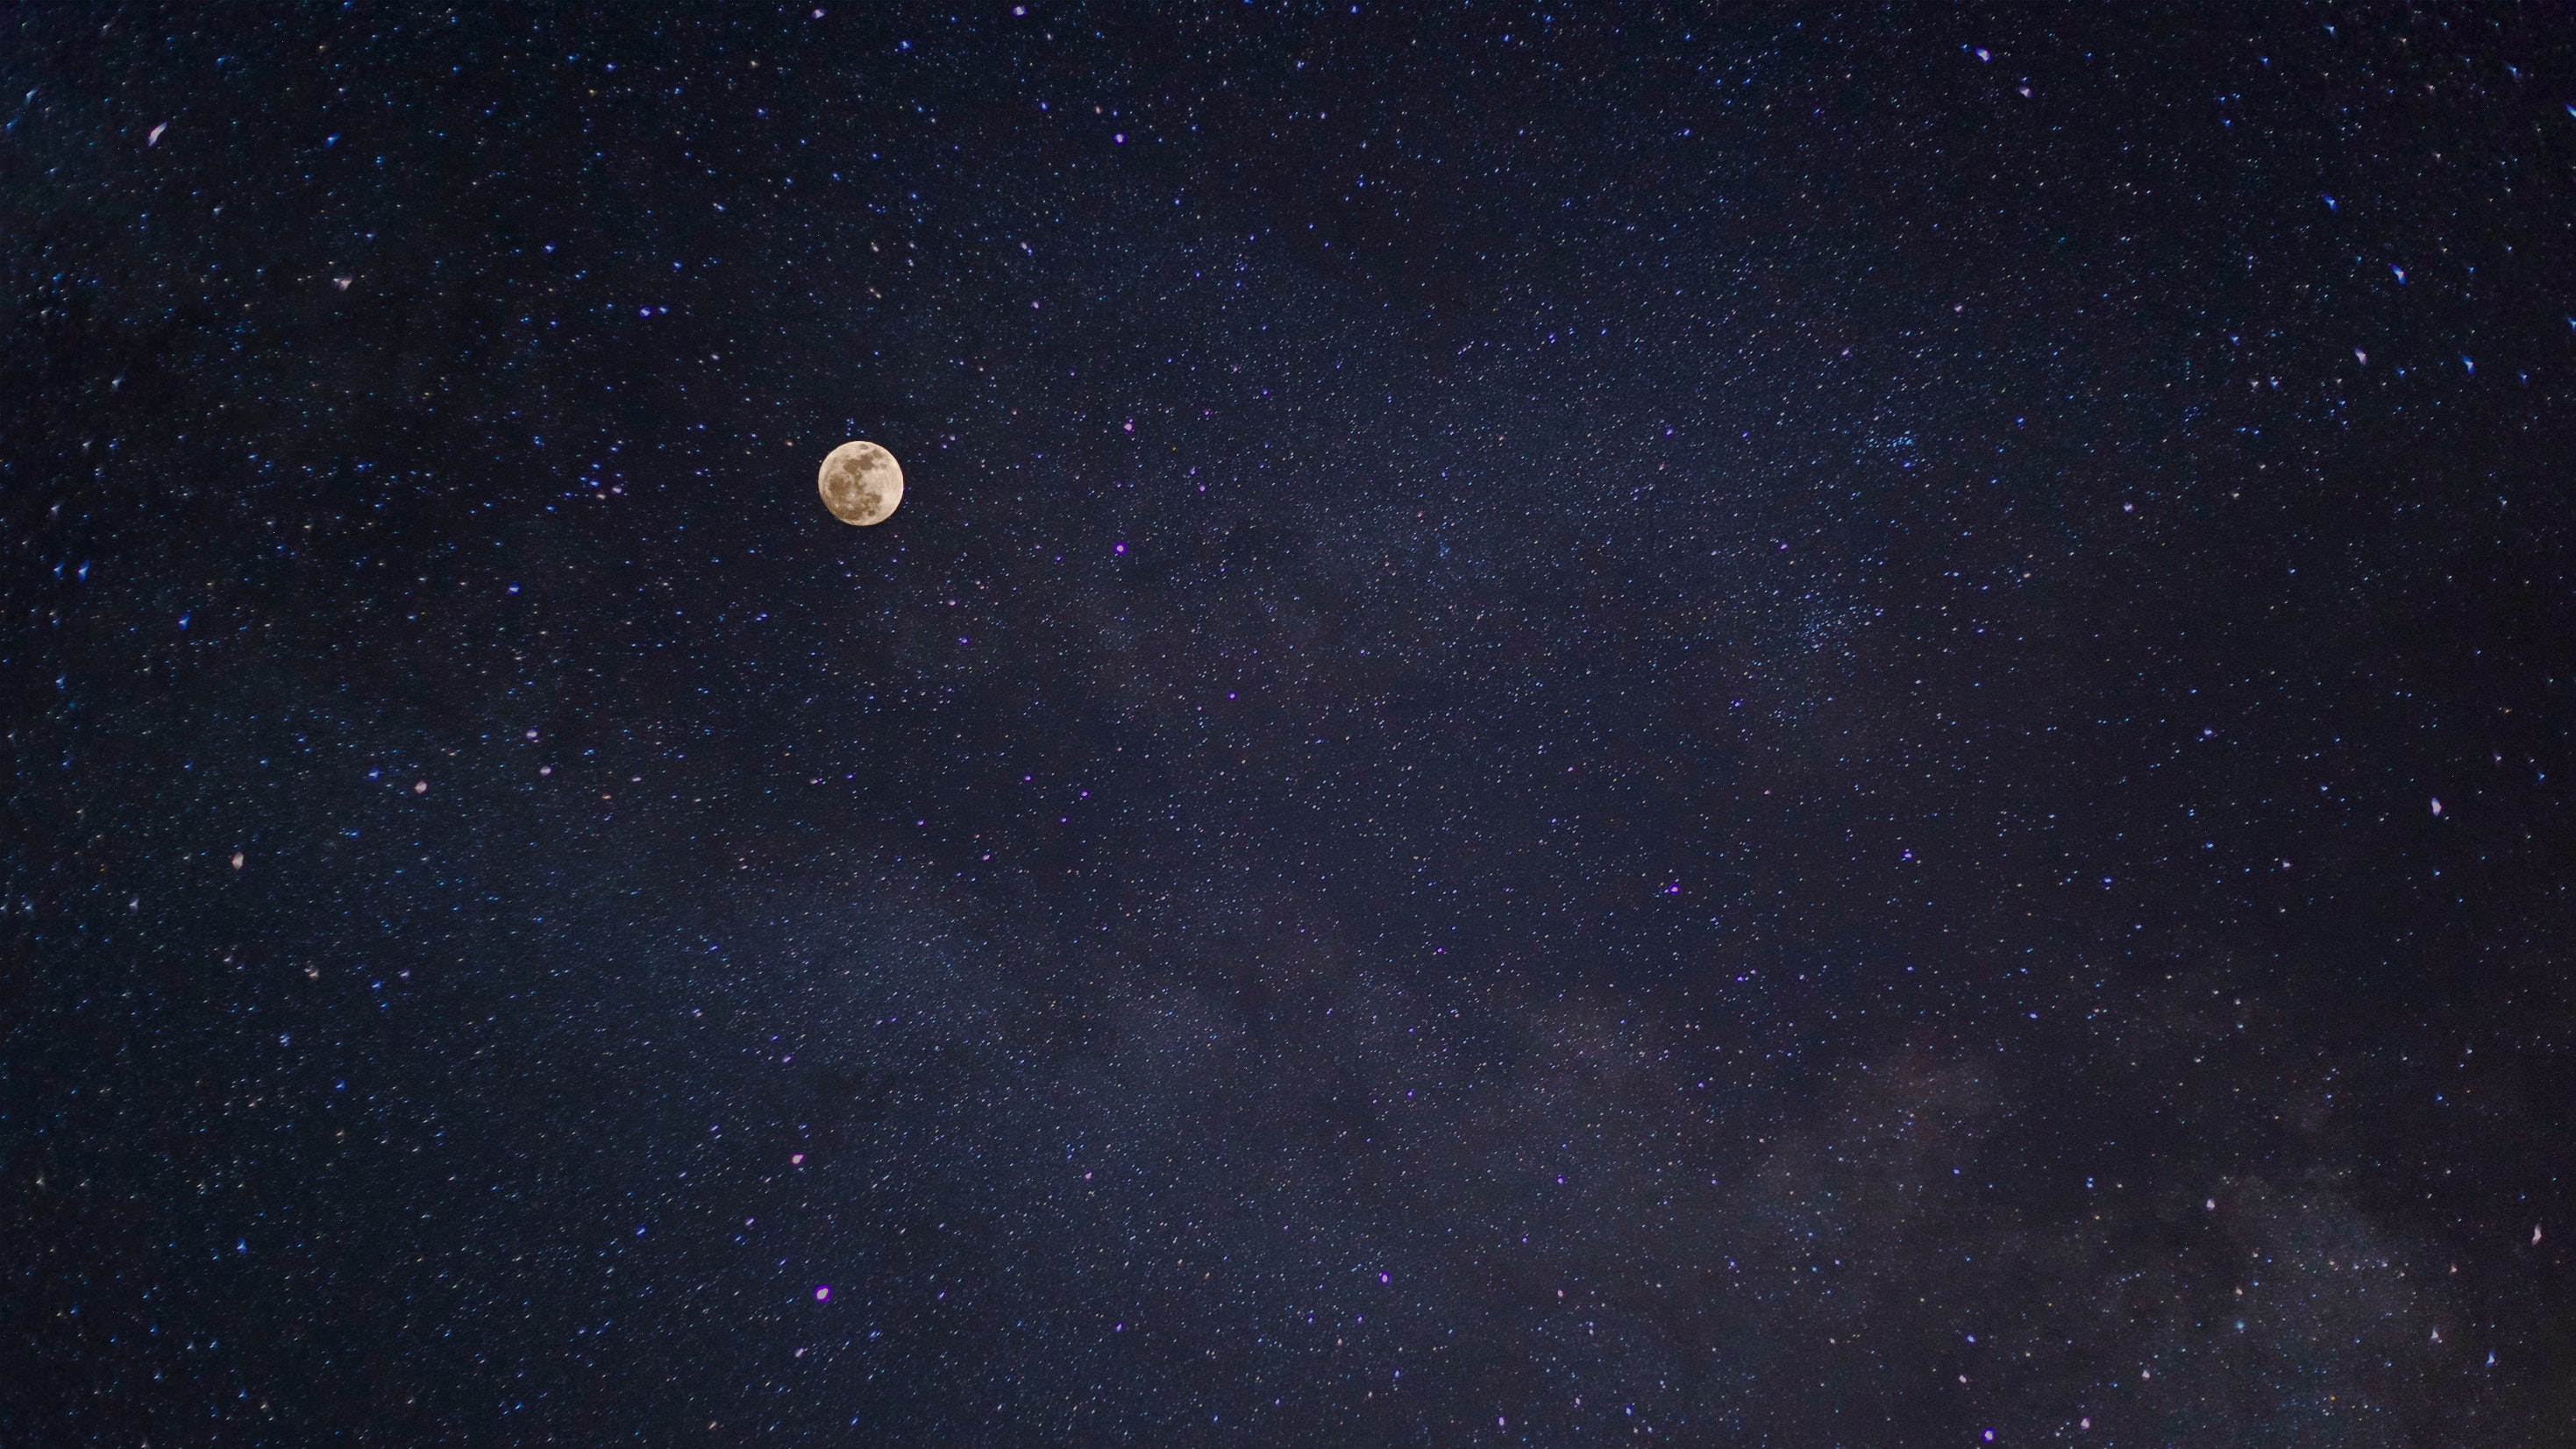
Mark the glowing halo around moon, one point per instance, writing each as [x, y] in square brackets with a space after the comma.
[861, 483]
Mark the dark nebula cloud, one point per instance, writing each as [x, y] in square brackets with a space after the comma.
[1690, 724]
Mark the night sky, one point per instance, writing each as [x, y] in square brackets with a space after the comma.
[1708, 724]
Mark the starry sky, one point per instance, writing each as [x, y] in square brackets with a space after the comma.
[1690, 724]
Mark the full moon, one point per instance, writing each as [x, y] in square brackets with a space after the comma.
[861, 483]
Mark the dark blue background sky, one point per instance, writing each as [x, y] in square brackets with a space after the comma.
[1723, 721]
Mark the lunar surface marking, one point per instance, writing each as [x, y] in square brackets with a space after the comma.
[861, 483]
